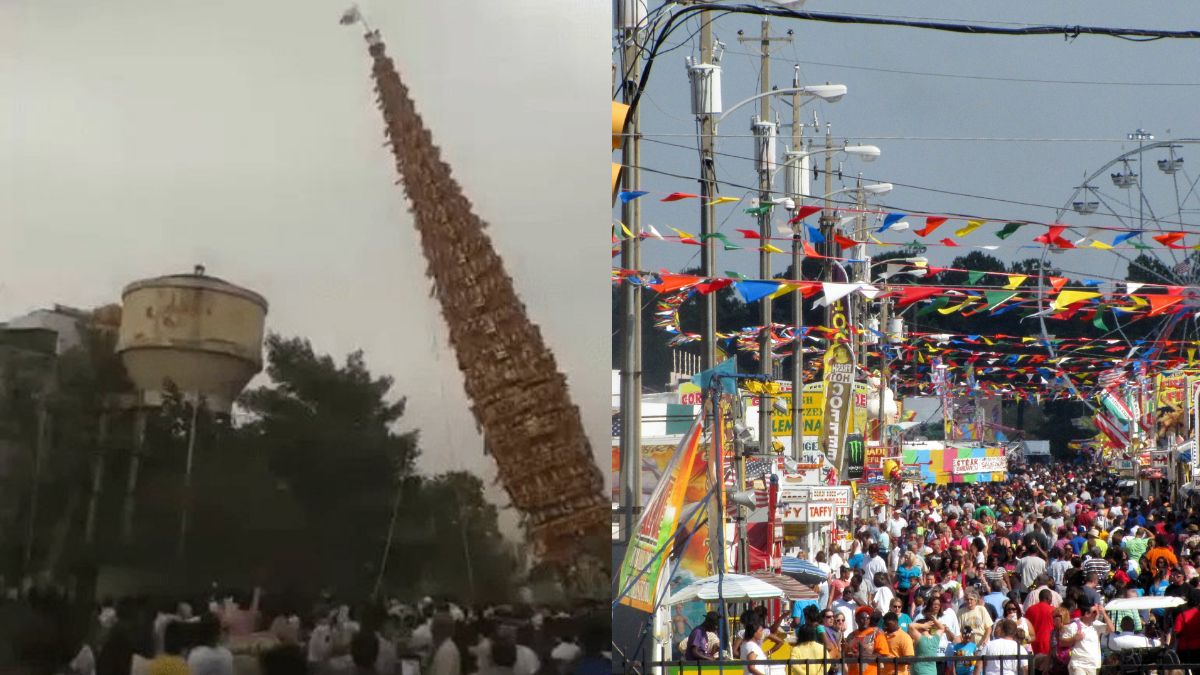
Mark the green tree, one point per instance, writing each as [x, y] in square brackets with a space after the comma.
[328, 433]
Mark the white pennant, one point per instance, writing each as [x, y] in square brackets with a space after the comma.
[653, 232]
[834, 292]
[868, 291]
[1132, 287]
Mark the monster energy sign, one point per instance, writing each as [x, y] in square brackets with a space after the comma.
[856, 455]
[839, 406]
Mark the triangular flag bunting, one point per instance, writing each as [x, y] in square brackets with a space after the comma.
[804, 212]
[627, 196]
[676, 196]
[970, 227]
[1009, 229]
[931, 223]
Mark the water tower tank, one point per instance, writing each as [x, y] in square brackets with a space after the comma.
[201, 333]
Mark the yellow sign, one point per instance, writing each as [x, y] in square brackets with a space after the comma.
[812, 409]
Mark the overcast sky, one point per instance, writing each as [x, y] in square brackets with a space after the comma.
[140, 137]
[964, 90]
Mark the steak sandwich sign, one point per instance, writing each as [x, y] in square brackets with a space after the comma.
[839, 404]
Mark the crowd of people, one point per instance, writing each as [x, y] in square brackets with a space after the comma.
[1020, 569]
[42, 633]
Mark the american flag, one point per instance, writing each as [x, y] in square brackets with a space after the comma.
[755, 469]
[616, 426]
[1183, 269]
[1110, 378]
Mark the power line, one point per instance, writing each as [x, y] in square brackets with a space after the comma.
[987, 78]
[818, 171]
[1067, 31]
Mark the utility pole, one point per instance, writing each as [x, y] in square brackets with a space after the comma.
[827, 221]
[89, 530]
[39, 449]
[628, 26]
[765, 132]
[797, 264]
[706, 115]
[884, 306]
[135, 457]
[186, 512]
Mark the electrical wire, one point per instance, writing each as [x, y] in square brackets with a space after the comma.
[986, 78]
[1069, 32]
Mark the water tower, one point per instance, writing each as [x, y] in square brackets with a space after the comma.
[202, 334]
[199, 334]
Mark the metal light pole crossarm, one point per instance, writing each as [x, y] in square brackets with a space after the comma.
[831, 93]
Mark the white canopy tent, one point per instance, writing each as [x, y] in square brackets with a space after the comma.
[731, 588]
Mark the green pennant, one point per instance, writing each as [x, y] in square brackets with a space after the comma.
[995, 298]
[937, 304]
[1098, 322]
[1009, 229]
[734, 275]
[1140, 246]
[731, 247]
[974, 277]
[718, 235]
[760, 210]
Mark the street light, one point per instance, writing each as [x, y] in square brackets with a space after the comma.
[830, 93]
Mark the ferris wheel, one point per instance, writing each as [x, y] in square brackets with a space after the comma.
[1148, 188]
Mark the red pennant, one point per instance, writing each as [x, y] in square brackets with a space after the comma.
[1053, 237]
[1159, 304]
[931, 223]
[843, 241]
[1057, 283]
[1170, 238]
[947, 242]
[713, 285]
[750, 234]
[810, 251]
[673, 282]
[913, 294]
[676, 196]
[804, 212]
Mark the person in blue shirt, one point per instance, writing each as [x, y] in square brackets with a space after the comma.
[906, 575]
[1079, 539]
[963, 646]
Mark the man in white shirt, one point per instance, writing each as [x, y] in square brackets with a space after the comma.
[1002, 645]
[896, 525]
[1084, 641]
[873, 566]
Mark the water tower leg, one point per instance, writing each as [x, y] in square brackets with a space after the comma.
[89, 532]
[135, 458]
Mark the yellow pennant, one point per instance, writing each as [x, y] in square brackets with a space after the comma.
[951, 310]
[1191, 356]
[970, 227]
[1096, 243]
[1014, 281]
[771, 249]
[724, 200]
[784, 289]
[1067, 298]
[628, 234]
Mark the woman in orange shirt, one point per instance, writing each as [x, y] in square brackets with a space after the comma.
[865, 645]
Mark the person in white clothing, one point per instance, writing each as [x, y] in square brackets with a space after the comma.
[1002, 645]
[752, 651]
[1128, 639]
[1084, 641]
[446, 658]
[881, 599]
[209, 657]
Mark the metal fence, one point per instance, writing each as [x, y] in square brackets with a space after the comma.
[1153, 661]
